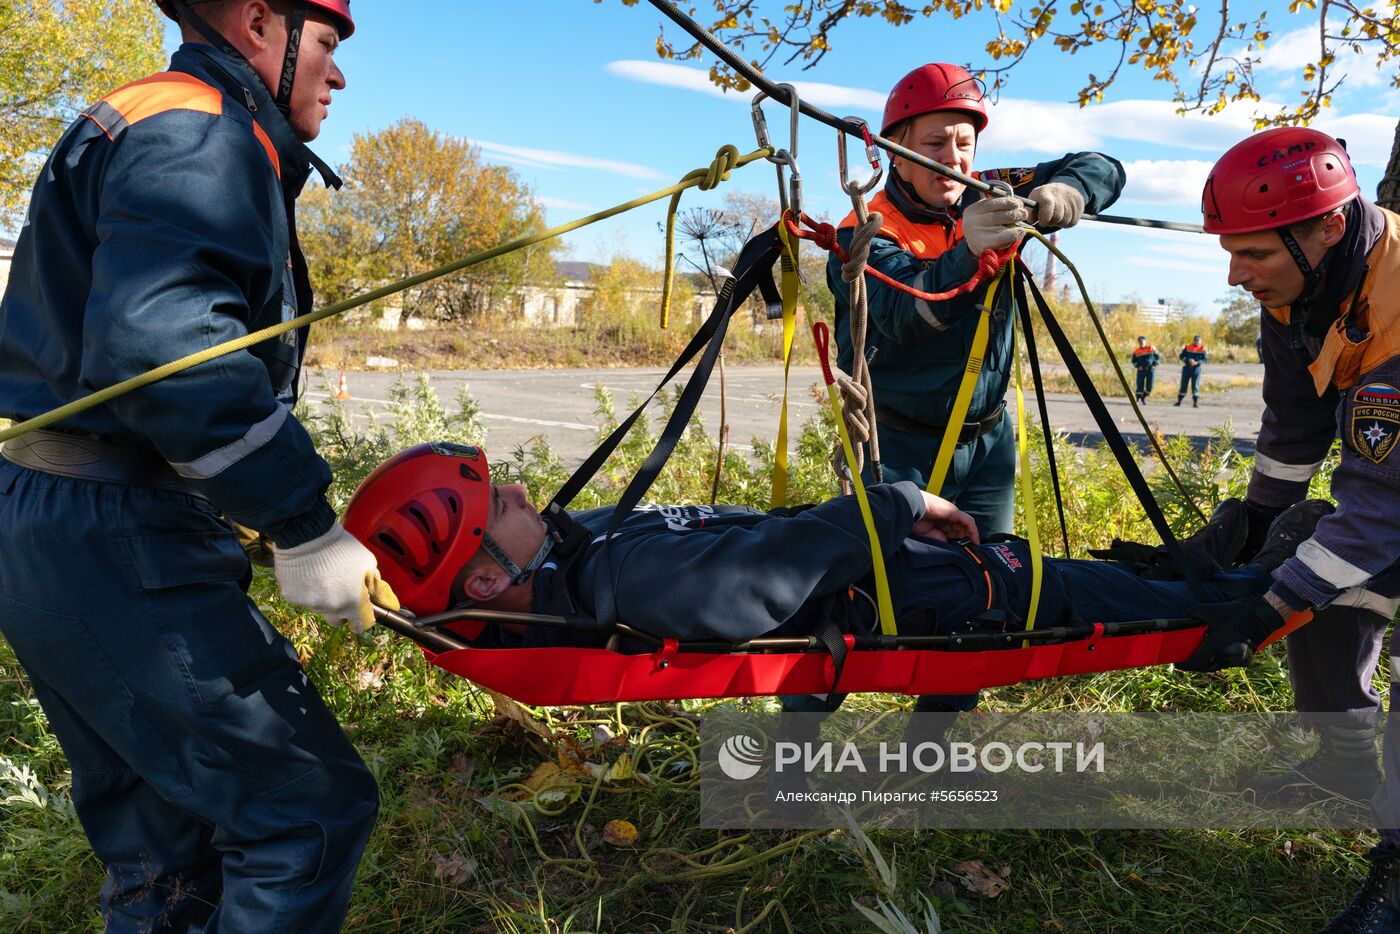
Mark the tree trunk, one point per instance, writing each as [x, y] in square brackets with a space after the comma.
[1388, 191]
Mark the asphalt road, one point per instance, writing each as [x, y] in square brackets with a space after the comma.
[519, 406]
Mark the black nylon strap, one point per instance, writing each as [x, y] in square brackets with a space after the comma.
[295, 24]
[1116, 443]
[731, 296]
[830, 636]
[1018, 289]
[754, 269]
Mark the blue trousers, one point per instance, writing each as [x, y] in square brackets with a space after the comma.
[1190, 376]
[213, 783]
[1146, 377]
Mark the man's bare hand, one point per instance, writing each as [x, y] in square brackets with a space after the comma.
[942, 521]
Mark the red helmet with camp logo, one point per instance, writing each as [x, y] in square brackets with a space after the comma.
[423, 515]
[1276, 178]
[933, 87]
[338, 10]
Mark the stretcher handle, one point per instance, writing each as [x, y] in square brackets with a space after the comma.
[425, 631]
[1293, 623]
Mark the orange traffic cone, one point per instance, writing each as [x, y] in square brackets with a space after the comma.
[343, 391]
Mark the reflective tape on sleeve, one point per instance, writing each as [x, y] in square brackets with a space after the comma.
[1278, 470]
[1325, 564]
[221, 459]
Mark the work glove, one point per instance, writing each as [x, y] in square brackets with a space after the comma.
[335, 576]
[1057, 205]
[986, 224]
[1234, 632]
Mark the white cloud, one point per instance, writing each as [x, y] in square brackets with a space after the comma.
[1163, 181]
[1020, 125]
[1288, 53]
[553, 160]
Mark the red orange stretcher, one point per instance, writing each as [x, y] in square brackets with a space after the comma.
[672, 670]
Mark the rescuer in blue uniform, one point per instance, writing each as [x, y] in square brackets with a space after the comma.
[212, 781]
[1192, 356]
[1324, 265]
[932, 234]
[1145, 360]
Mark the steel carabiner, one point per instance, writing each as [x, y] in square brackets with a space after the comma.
[871, 154]
[790, 195]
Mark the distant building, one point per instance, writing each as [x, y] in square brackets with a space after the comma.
[7, 253]
[1163, 312]
[558, 305]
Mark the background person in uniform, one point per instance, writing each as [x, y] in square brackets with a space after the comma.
[1145, 359]
[1324, 264]
[1192, 356]
[212, 781]
[932, 234]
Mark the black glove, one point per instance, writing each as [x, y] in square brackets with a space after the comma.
[1260, 518]
[1233, 633]
[1135, 555]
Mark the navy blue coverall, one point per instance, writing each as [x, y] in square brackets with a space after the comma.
[214, 784]
[737, 573]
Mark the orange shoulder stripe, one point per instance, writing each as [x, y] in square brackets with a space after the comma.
[168, 90]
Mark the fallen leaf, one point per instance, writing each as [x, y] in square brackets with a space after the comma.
[976, 877]
[510, 710]
[454, 869]
[620, 833]
[547, 777]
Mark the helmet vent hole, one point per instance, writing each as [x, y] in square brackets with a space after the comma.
[391, 544]
[454, 505]
[417, 513]
[436, 549]
[416, 573]
[1263, 188]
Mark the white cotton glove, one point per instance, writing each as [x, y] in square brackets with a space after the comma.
[333, 575]
[1057, 205]
[986, 224]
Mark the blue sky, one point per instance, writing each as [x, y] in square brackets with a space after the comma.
[570, 95]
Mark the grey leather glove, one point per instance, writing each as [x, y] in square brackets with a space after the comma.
[335, 576]
[1057, 205]
[986, 224]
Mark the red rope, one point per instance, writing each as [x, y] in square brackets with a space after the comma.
[824, 236]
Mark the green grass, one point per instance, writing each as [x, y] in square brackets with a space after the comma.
[457, 848]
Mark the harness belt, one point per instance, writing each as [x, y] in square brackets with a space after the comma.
[970, 432]
[84, 458]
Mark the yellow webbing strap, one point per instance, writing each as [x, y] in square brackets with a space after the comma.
[788, 287]
[1023, 470]
[885, 605]
[939, 474]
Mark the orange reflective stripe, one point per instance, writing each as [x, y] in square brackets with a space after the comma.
[168, 90]
[266, 140]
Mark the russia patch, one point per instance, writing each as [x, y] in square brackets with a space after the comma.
[1375, 421]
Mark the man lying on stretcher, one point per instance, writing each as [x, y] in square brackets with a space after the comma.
[445, 537]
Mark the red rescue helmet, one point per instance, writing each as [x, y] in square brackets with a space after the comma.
[1276, 178]
[337, 10]
[933, 87]
[423, 514]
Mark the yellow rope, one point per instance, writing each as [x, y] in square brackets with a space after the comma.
[691, 180]
[717, 171]
[1027, 483]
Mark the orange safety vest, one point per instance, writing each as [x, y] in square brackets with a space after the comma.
[1139, 351]
[926, 241]
[1375, 311]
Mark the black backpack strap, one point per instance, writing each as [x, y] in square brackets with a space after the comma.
[1018, 289]
[1116, 443]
